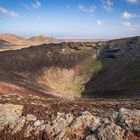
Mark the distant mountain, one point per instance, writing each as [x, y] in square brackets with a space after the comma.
[13, 39]
[39, 38]
[4, 43]
[42, 39]
[36, 40]
[21, 42]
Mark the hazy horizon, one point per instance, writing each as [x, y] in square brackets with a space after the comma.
[70, 37]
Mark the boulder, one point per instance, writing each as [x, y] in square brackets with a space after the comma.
[91, 137]
[130, 119]
[110, 132]
[9, 114]
[59, 124]
[80, 127]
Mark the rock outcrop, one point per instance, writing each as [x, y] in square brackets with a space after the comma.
[130, 119]
[9, 114]
[122, 125]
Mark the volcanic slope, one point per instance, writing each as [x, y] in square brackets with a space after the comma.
[101, 69]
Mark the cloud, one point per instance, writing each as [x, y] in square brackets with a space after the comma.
[133, 1]
[26, 6]
[35, 5]
[99, 23]
[39, 18]
[131, 26]
[107, 4]
[127, 15]
[7, 12]
[126, 23]
[87, 9]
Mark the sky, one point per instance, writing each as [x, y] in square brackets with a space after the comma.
[71, 18]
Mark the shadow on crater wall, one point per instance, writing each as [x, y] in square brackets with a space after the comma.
[119, 76]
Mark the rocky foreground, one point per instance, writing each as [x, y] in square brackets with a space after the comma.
[34, 118]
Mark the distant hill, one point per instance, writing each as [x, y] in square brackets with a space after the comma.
[17, 42]
[36, 40]
[13, 39]
[42, 39]
[39, 38]
[4, 43]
